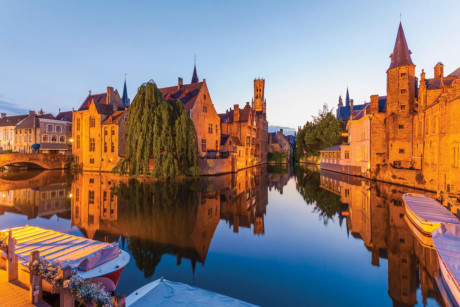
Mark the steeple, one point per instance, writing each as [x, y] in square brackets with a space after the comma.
[401, 53]
[195, 75]
[347, 99]
[125, 98]
[340, 101]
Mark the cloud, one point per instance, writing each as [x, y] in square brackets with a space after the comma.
[12, 108]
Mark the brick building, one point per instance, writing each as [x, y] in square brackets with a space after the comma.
[198, 103]
[7, 126]
[98, 128]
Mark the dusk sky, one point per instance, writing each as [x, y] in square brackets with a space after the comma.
[53, 52]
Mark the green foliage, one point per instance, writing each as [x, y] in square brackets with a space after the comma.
[162, 131]
[322, 132]
[277, 157]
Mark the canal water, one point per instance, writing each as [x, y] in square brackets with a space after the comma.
[272, 236]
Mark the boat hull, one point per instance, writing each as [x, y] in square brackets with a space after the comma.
[424, 239]
[426, 227]
[452, 286]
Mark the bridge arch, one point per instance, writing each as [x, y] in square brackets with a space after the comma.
[45, 161]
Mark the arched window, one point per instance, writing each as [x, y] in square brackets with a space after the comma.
[62, 139]
[53, 139]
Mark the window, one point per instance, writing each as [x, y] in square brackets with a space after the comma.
[203, 144]
[217, 132]
[205, 109]
[401, 127]
[217, 145]
[92, 144]
[347, 154]
[45, 138]
[58, 129]
[62, 139]
[204, 97]
[248, 140]
[104, 197]
[105, 131]
[77, 194]
[403, 107]
[403, 91]
[53, 139]
[210, 128]
[78, 142]
[91, 161]
[90, 197]
[401, 150]
[78, 124]
[112, 147]
[105, 146]
[403, 74]
[113, 131]
[49, 128]
[92, 122]
[253, 141]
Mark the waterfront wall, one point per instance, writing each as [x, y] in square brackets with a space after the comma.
[218, 166]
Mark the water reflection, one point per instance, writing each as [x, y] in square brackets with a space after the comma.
[258, 209]
[375, 215]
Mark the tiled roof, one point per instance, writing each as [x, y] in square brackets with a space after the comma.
[187, 94]
[334, 148]
[28, 122]
[435, 84]
[67, 116]
[360, 113]
[98, 98]
[225, 137]
[11, 120]
[456, 73]
[245, 115]
[114, 118]
[401, 53]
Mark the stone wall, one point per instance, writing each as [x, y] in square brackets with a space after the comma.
[218, 166]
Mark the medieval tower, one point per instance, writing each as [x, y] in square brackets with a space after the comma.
[401, 91]
[259, 95]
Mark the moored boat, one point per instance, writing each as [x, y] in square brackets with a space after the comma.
[446, 241]
[424, 239]
[426, 213]
[162, 292]
[93, 260]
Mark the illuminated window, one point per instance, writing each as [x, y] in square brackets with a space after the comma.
[203, 144]
[78, 124]
[210, 128]
[45, 138]
[92, 122]
[92, 144]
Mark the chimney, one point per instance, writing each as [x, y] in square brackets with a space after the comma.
[281, 131]
[109, 93]
[3, 115]
[351, 109]
[180, 82]
[31, 112]
[439, 71]
[236, 113]
[374, 104]
[247, 103]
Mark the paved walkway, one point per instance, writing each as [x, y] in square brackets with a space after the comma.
[14, 294]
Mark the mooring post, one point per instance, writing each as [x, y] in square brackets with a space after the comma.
[65, 297]
[12, 263]
[119, 300]
[35, 289]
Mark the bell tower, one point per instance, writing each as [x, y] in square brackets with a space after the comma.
[401, 87]
[259, 94]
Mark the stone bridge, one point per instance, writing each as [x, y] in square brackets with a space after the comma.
[36, 160]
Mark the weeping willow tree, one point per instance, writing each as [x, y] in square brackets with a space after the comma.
[161, 130]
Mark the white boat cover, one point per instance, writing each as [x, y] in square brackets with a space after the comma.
[447, 243]
[429, 209]
[170, 293]
[76, 252]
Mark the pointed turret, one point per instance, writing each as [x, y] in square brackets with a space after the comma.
[125, 98]
[340, 101]
[195, 75]
[347, 99]
[401, 53]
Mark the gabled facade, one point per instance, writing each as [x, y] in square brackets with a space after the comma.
[7, 126]
[98, 115]
[198, 103]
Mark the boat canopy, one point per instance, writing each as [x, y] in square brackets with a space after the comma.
[169, 293]
[77, 252]
[447, 243]
[429, 209]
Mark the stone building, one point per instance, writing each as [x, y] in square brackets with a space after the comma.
[415, 138]
[344, 112]
[7, 126]
[198, 103]
[98, 127]
[43, 133]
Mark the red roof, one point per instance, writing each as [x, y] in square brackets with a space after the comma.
[245, 115]
[186, 93]
[98, 98]
[114, 118]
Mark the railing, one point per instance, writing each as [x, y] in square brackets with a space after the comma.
[66, 298]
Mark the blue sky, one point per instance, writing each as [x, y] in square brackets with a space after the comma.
[53, 52]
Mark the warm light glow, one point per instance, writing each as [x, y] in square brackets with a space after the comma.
[4, 195]
[70, 195]
[71, 140]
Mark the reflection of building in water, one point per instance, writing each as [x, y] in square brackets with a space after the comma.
[376, 215]
[45, 195]
[244, 201]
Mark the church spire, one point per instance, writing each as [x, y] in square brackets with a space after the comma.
[401, 53]
[125, 98]
[347, 99]
[340, 101]
[195, 75]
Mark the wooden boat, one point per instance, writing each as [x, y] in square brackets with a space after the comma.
[447, 244]
[426, 213]
[425, 240]
[94, 260]
[162, 292]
